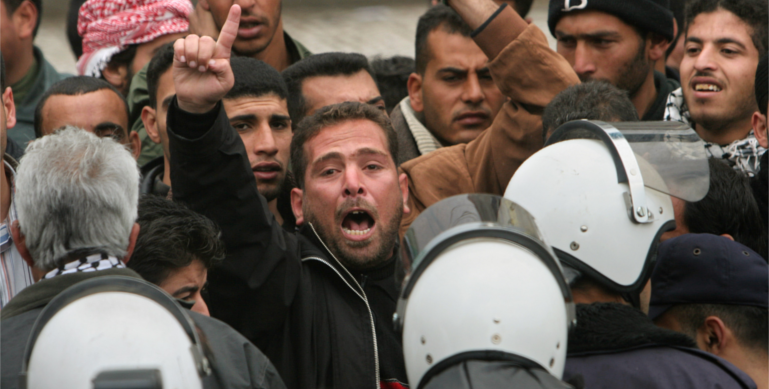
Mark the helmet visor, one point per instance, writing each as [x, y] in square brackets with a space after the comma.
[452, 219]
[670, 155]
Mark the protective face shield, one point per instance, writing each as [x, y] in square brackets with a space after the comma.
[600, 192]
[108, 332]
[481, 284]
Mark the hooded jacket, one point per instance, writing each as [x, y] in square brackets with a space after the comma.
[236, 363]
[617, 346]
[320, 324]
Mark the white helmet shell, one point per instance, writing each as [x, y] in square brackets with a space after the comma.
[111, 331]
[483, 285]
[588, 214]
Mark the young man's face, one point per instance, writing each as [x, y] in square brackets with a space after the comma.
[265, 128]
[101, 112]
[186, 283]
[259, 20]
[455, 94]
[155, 119]
[600, 46]
[718, 70]
[146, 51]
[353, 195]
[322, 91]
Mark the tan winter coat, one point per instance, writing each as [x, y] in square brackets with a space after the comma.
[528, 72]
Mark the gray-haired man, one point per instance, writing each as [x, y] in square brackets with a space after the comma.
[77, 197]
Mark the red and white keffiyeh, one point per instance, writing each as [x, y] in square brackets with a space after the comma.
[110, 26]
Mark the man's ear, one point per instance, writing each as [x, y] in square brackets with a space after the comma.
[117, 75]
[713, 335]
[131, 242]
[19, 240]
[10, 108]
[658, 45]
[149, 118]
[759, 129]
[297, 201]
[403, 181]
[135, 144]
[204, 4]
[25, 19]
[414, 86]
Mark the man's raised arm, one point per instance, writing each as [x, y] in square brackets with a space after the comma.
[210, 172]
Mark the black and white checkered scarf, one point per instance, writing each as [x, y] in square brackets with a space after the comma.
[94, 262]
[744, 155]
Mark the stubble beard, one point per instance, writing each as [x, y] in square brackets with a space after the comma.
[633, 75]
[348, 252]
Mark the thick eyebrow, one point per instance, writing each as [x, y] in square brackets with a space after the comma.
[186, 289]
[167, 101]
[450, 69]
[277, 116]
[337, 155]
[592, 35]
[245, 117]
[328, 156]
[723, 41]
[375, 100]
[370, 151]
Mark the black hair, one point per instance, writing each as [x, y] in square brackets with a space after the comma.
[124, 58]
[318, 65]
[255, 78]
[753, 12]
[12, 5]
[171, 237]
[73, 86]
[749, 324]
[159, 64]
[522, 7]
[74, 38]
[762, 84]
[439, 16]
[594, 100]
[728, 208]
[392, 75]
[330, 115]
[677, 7]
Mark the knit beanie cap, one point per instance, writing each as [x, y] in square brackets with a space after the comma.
[648, 15]
[762, 84]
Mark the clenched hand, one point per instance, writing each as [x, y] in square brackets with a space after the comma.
[201, 70]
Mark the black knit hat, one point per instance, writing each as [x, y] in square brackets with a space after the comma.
[648, 15]
[762, 84]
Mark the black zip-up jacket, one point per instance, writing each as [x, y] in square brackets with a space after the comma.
[321, 326]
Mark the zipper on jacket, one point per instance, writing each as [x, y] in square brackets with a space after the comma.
[362, 295]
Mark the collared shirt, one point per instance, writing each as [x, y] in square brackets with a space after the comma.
[15, 274]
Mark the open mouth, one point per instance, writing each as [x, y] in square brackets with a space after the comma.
[707, 88]
[357, 223]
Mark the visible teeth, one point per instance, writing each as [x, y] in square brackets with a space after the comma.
[356, 212]
[707, 87]
[355, 232]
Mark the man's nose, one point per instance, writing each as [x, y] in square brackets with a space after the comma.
[264, 141]
[583, 61]
[472, 93]
[704, 62]
[353, 186]
[200, 306]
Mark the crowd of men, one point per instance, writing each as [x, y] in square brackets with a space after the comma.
[482, 215]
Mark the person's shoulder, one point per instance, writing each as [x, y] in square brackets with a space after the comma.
[235, 358]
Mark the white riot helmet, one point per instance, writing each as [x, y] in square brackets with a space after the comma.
[600, 193]
[113, 332]
[482, 285]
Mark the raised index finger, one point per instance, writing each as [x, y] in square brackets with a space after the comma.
[228, 34]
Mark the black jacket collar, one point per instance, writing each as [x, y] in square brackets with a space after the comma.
[608, 327]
